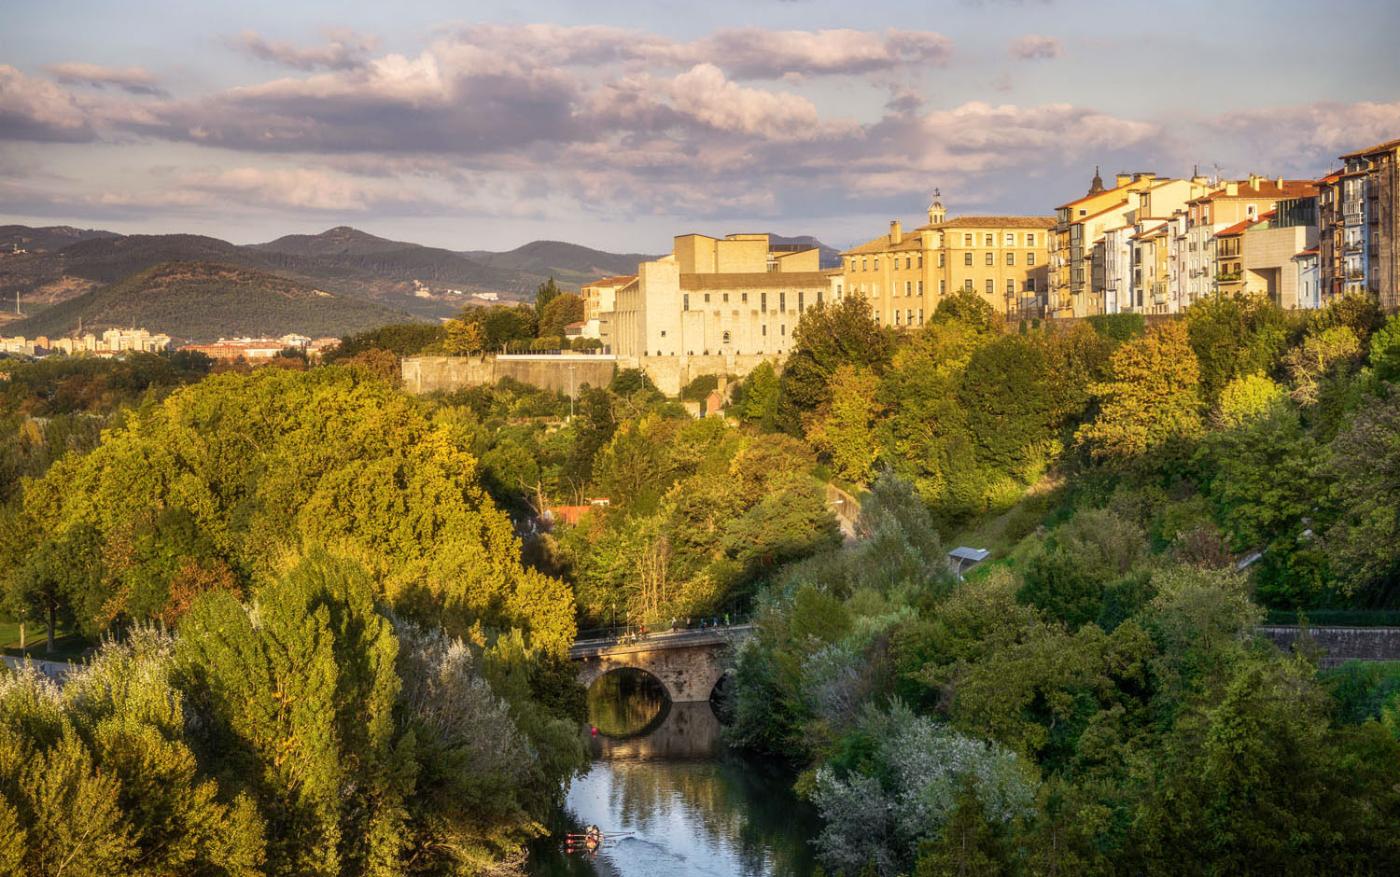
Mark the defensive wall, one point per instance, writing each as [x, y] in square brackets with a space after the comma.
[1337, 645]
[564, 373]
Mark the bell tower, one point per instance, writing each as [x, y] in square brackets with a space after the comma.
[936, 213]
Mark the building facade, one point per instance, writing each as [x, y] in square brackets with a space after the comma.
[714, 305]
[904, 275]
[1370, 209]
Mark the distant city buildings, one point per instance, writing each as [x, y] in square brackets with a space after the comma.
[255, 349]
[112, 342]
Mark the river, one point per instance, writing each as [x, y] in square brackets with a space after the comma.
[675, 798]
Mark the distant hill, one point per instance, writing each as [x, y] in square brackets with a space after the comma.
[570, 264]
[339, 241]
[47, 238]
[830, 256]
[202, 301]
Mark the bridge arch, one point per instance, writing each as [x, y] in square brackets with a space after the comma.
[689, 664]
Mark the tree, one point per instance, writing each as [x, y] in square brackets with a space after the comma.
[1151, 398]
[1364, 468]
[827, 336]
[1232, 337]
[544, 294]
[461, 337]
[844, 429]
[563, 309]
[756, 397]
[1246, 398]
[1005, 390]
[1330, 353]
[969, 309]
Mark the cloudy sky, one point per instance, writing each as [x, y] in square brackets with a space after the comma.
[616, 124]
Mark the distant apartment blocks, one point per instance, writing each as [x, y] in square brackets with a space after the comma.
[110, 343]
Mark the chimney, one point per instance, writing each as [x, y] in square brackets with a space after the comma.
[1254, 180]
[1122, 179]
[896, 232]
[1232, 188]
[1279, 181]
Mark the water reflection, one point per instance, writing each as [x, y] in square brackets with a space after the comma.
[627, 703]
[686, 805]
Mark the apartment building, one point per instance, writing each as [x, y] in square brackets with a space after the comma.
[904, 275]
[1370, 242]
[1270, 248]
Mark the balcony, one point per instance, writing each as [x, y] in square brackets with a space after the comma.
[1228, 276]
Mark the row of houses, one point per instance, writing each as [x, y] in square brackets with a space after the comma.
[1156, 245]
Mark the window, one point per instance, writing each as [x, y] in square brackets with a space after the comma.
[784, 328]
[921, 287]
[1010, 287]
[763, 302]
[940, 260]
[1030, 285]
[921, 316]
[863, 265]
[685, 302]
[1011, 258]
[707, 298]
[663, 333]
[782, 302]
[1011, 238]
[942, 287]
[801, 305]
[990, 240]
[967, 259]
[967, 285]
[991, 259]
[1030, 258]
[744, 297]
[726, 298]
[726, 337]
[909, 317]
[921, 260]
[908, 287]
[763, 330]
[908, 261]
[1083, 212]
[819, 293]
[967, 240]
[896, 316]
[1030, 238]
[991, 286]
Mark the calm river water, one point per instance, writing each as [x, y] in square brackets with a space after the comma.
[678, 801]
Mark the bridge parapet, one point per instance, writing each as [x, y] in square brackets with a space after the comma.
[689, 663]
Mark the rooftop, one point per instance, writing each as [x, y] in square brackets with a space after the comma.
[616, 280]
[1387, 146]
[1040, 222]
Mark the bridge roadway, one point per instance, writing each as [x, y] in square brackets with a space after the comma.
[689, 663]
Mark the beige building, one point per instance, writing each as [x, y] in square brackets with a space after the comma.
[904, 275]
[600, 296]
[714, 306]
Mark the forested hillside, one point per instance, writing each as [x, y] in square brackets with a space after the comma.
[203, 301]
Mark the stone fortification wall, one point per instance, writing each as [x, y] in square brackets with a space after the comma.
[562, 374]
[1337, 645]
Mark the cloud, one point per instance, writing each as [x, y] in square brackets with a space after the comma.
[1306, 137]
[37, 109]
[1034, 47]
[133, 80]
[344, 50]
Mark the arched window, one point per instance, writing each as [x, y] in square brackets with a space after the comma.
[726, 337]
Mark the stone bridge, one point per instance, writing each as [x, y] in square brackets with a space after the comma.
[689, 663]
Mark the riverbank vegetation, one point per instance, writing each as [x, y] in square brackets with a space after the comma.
[1094, 700]
[293, 570]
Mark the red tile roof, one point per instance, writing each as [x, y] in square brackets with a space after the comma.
[618, 280]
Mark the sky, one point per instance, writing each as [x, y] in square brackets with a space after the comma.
[484, 125]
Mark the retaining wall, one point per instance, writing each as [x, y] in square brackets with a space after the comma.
[1337, 645]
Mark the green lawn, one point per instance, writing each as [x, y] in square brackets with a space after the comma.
[66, 645]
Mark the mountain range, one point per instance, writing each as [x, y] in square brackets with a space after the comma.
[49, 266]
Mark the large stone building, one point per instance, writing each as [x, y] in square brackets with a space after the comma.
[904, 275]
[714, 306]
